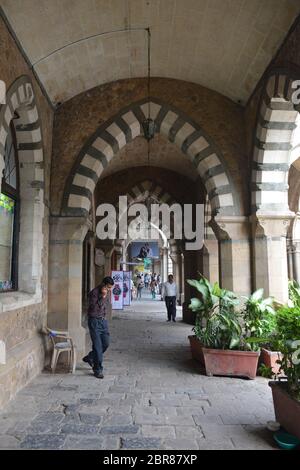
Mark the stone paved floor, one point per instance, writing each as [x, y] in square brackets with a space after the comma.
[153, 396]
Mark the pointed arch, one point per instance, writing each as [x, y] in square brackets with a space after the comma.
[109, 138]
[276, 123]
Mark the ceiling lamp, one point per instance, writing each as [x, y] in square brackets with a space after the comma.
[148, 124]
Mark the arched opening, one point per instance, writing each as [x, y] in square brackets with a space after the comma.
[107, 154]
[21, 163]
[275, 151]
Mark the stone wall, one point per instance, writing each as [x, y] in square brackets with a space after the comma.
[77, 119]
[20, 326]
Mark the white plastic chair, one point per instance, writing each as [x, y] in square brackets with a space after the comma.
[62, 346]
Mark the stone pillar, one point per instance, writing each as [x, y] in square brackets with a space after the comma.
[92, 270]
[296, 261]
[165, 264]
[177, 264]
[211, 260]
[190, 272]
[270, 254]
[65, 276]
[107, 265]
[290, 258]
[233, 234]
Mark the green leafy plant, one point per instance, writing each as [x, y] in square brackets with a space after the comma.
[265, 371]
[217, 324]
[294, 293]
[259, 320]
[287, 341]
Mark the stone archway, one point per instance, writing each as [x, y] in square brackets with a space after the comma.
[21, 106]
[276, 122]
[272, 159]
[126, 126]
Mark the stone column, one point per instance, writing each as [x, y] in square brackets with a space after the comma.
[296, 261]
[92, 264]
[177, 263]
[233, 234]
[290, 258]
[107, 265]
[65, 276]
[211, 260]
[190, 272]
[165, 264]
[270, 254]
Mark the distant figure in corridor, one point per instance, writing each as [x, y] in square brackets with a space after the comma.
[99, 303]
[153, 288]
[169, 294]
[139, 286]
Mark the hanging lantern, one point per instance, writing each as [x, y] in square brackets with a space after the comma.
[149, 129]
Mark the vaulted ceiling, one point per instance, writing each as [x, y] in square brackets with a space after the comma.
[74, 45]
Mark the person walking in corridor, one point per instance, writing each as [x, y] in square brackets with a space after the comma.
[99, 303]
[153, 288]
[139, 286]
[169, 294]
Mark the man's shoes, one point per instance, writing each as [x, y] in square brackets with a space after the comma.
[88, 360]
[168, 320]
[98, 375]
[174, 320]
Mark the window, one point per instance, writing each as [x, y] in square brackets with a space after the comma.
[9, 210]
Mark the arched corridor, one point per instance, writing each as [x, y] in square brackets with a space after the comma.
[153, 397]
[141, 139]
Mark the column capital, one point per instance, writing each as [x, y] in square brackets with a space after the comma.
[69, 228]
[230, 227]
[273, 225]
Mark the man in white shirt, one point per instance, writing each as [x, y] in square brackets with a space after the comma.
[169, 294]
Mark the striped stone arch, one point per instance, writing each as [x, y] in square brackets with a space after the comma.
[138, 194]
[276, 123]
[20, 106]
[126, 126]
[149, 188]
[20, 99]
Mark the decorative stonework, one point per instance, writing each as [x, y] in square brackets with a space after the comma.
[271, 159]
[123, 128]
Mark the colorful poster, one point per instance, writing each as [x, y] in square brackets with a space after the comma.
[127, 288]
[141, 250]
[117, 290]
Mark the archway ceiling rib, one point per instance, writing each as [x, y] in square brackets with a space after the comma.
[224, 45]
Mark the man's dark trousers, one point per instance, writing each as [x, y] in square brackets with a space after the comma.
[171, 307]
[100, 339]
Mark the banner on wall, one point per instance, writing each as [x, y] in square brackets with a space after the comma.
[127, 288]
[117, 290]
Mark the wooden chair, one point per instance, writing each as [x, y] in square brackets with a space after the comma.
[66, 345]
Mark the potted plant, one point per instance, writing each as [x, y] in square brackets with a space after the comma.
[286, 393]
[220, 332]
[202, 307]
[260, 323]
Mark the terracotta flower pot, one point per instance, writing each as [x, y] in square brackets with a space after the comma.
[269, 358]
[287, 408]
[196, 348]
[230, 363]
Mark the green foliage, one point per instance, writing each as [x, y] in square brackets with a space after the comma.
[259, 319]
[220, 326]
[265, 371]
[217, 323]
[287, 341]
[294, 293]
